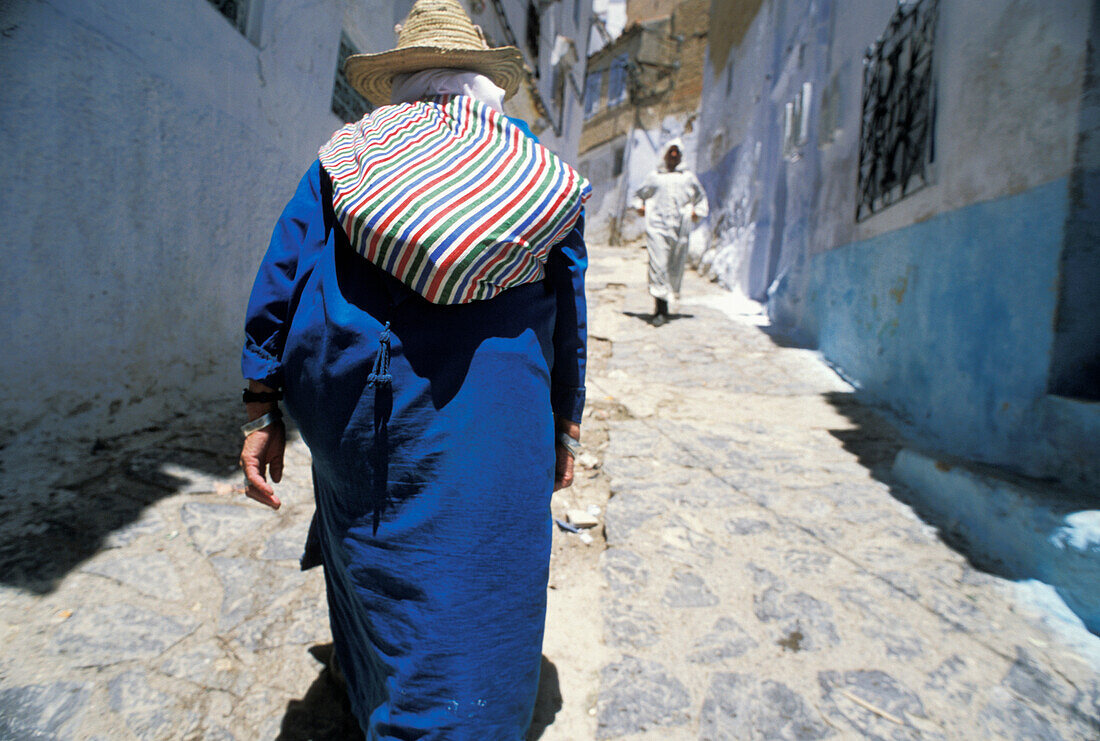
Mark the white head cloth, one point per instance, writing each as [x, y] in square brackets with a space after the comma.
[664, 151]
[409, 88]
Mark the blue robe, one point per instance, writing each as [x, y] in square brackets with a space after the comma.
[433, 492]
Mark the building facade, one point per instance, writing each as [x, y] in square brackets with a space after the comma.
[553, 38]
[913, 188]
[641, 90]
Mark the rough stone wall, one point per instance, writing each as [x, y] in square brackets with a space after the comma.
[640, 11]
[690, 20]
[729, 22]
[608, 124]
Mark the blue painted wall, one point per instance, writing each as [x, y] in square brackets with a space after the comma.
[950, 321]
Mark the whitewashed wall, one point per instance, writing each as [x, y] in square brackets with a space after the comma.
[371, 24]
[570, 19]
[148, 149]
[1008, 96]
[1009, 80]
[949, 305]
[602, 209]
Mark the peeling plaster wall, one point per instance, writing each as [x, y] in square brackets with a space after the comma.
[739, 150]
[148, 149]
[950, 321]
[995, 61]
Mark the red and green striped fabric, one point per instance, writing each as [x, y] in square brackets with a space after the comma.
[450, 197]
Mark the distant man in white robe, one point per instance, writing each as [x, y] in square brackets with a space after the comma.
[672, 201]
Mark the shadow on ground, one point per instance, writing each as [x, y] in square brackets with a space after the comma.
[875, 441]
[60, 511]
[787, 337]
[650, 319]
[983, 531]
[324, 713]
[548, 702]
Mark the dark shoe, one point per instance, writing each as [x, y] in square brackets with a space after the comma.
[335, 672]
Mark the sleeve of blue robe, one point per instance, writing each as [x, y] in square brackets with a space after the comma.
[565, 271]
[300, 236]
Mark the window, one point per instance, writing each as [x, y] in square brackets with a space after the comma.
[346, 103]
[617, 161]
[829, 117]
[243, 14]
[796, 122]
[534, 22]
[896, 126]
[592, 85]
[616, 80]
[557, 86]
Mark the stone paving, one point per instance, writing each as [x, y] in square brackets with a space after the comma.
[763, 577]
[146, 599]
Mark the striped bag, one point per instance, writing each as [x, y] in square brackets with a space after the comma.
[450, 197]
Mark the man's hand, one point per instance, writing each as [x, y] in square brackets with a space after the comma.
[563, 468]
[263, 450]
[563, 461]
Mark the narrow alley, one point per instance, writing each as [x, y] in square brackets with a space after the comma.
[755, 573]
[843, 483]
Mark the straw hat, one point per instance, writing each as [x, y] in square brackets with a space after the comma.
[437, 33]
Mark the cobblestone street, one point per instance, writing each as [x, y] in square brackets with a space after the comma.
[764, 577]
[756, 574]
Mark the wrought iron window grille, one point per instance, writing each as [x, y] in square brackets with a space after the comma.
[896, 142]
[346, 103]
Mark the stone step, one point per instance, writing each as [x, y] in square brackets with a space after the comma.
[1024, 528]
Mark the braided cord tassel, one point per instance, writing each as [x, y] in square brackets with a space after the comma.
[380, 375]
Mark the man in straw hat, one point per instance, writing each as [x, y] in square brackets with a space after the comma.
[421, 310]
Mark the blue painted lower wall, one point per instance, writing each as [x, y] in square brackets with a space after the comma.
[950, 321]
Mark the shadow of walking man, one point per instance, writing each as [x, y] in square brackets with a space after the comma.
[324, 712]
